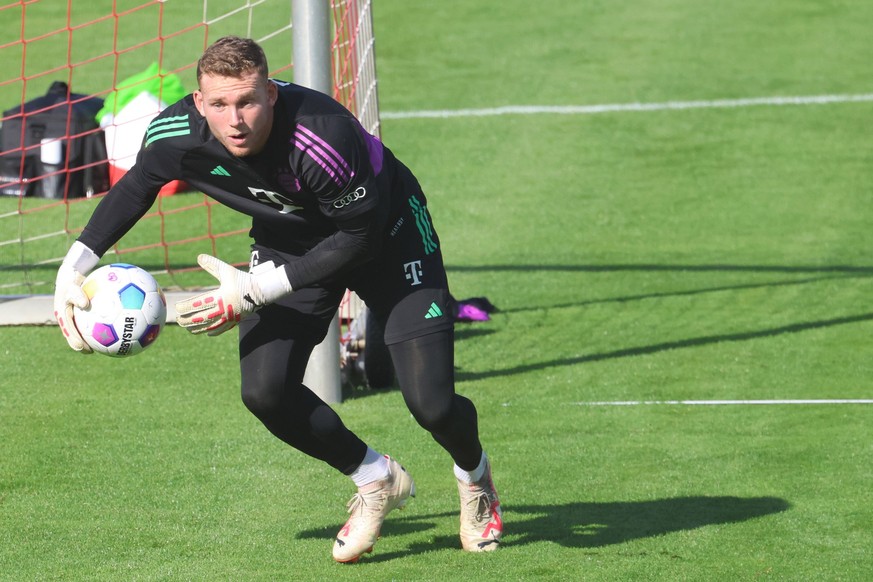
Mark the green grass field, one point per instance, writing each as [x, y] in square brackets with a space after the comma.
[699, 254]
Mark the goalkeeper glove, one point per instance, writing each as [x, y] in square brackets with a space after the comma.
[238, 294]
[68, 292]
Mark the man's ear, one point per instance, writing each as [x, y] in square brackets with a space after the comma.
[272, 92]
[198, 102]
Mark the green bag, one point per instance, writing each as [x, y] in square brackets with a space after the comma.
[167, 87]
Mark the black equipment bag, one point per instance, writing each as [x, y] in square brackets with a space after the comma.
[64, 166]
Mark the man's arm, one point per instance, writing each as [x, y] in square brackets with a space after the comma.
[356, 242]
[127, 201]
[339, 162]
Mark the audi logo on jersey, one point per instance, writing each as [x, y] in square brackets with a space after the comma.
[359, 193]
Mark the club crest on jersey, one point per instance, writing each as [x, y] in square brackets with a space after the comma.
[288, 181]
[283, 204]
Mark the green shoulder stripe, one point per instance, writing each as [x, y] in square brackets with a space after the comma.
[167, 127]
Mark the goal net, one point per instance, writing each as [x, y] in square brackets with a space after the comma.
[57, 159]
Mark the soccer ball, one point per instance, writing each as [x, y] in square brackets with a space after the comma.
[127, 312]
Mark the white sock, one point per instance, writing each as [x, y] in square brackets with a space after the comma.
[374, 467]
[475, 475]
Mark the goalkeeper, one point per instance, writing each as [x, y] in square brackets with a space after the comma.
[331, 208]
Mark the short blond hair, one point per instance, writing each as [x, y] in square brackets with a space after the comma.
[232, 56]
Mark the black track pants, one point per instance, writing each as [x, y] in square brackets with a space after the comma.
[272, 365]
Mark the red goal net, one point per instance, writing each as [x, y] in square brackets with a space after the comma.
[79, 77]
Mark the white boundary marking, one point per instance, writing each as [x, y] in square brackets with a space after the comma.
[721, 402]
[622, 107]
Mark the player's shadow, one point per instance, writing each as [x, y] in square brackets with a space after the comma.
[582, 524]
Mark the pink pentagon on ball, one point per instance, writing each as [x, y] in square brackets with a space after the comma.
[104, 334]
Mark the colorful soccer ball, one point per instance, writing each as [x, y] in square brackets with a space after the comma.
[127, 312]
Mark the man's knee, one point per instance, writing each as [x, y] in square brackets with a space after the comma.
[435, 416]
[262, 397]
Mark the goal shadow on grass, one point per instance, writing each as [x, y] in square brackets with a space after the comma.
[689, 267]
[583, 524]
[665, 346]
[860, 274]
[814, 274]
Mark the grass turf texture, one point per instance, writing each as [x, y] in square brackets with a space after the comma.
[701, 254]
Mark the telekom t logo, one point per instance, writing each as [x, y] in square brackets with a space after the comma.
[413, 272]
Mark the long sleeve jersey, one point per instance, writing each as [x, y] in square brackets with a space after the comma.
[322, 189]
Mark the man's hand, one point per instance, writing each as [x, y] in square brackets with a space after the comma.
[68, 292]
[238, 294]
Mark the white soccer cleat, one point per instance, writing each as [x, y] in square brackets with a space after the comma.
[481, 515]
[368, 509]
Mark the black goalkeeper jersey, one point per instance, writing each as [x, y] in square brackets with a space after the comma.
[322, 188]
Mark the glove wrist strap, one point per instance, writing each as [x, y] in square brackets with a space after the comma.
[273, 284]
[81, 258]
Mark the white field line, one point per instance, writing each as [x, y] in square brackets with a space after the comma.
[623, 107]
[721, 402]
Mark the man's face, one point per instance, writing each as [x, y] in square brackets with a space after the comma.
[239, 111]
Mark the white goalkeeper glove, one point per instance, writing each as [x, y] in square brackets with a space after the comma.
[239, 294]
[80, 260]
